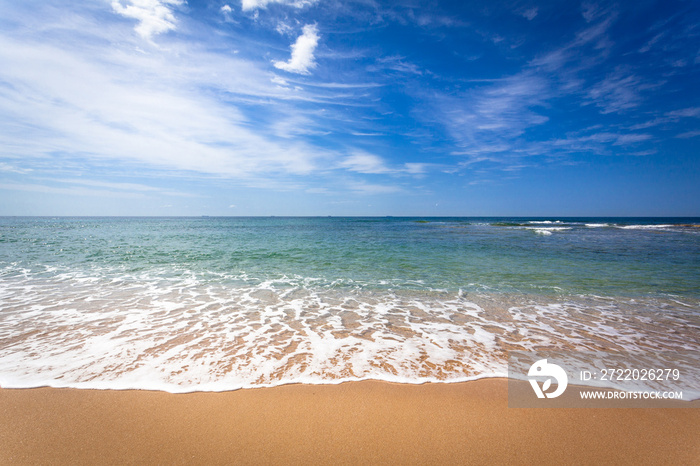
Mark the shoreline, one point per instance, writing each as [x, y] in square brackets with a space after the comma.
[518, 383]
[347, 423]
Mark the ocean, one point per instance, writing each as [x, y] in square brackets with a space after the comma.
[213, 304]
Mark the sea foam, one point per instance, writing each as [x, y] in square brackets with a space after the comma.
[184, 334]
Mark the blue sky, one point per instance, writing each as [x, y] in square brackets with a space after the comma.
[325, 107]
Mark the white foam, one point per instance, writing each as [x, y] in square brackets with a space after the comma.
[547, 230]
[643, 227]
[187, 333]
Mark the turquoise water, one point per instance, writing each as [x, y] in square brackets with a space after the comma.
[613, 256]
[222, 303]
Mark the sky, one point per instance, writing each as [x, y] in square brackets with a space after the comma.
[329, 107]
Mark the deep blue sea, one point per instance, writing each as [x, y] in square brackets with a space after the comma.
[184, 304]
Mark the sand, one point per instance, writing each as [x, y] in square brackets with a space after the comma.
[353, 423]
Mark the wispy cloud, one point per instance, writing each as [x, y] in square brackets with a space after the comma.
[106, 115]
[302, 59]
[7, 168]
[592, 11]
[627, 139]
[598, 142]
[297, 125]
[497, 123]
[227, 12]
[529, 13]
[668, 118]
[619, 91]
[116, 188]
[357, 133]
[77, 191]
[417, 168]
[248, 5]
[396, 63]
[363, 162]
[651, 42]
[179, 107]
[370, 164]
[363, 187]
[108, 184]
[367, 97]
[689, 134]
[685, 112]
[490, 119]
[153, 16]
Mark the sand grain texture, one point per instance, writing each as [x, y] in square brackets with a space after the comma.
[352, 423]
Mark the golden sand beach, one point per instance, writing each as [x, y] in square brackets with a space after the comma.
[364, 422]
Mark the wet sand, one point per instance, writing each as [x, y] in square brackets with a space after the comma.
[353, 423]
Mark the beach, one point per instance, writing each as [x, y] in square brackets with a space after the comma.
[346, 340]
[322, 232]
[367, 422]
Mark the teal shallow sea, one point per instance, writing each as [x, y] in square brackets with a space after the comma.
[600, 256]
[187, 304]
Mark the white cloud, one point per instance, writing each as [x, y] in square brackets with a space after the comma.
[625, 139]
[689, 134]
[71, 191]
[490, 118]
[365, 134]
[685, 112]
[597, 142]
[363, 162]
[247, 5]
[284, 28]
[416, 168]
[107, 184]
[227, 12]
[529, 13]
[279, 81]
[644, 153]
[60, 105]
[618, 92]
[99, 102]
[669, 117]
[370, 189]
[296, 125]
[396, 63]
[488, 122]
[302, 58]
[154, 16]
[591, 11]
[7, 168]
[648, 46]
[134, 188]
[366, 163]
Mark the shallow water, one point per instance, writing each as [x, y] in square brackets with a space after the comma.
[183, 304]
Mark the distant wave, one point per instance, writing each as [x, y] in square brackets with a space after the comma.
[544, 225]
[643, 227]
